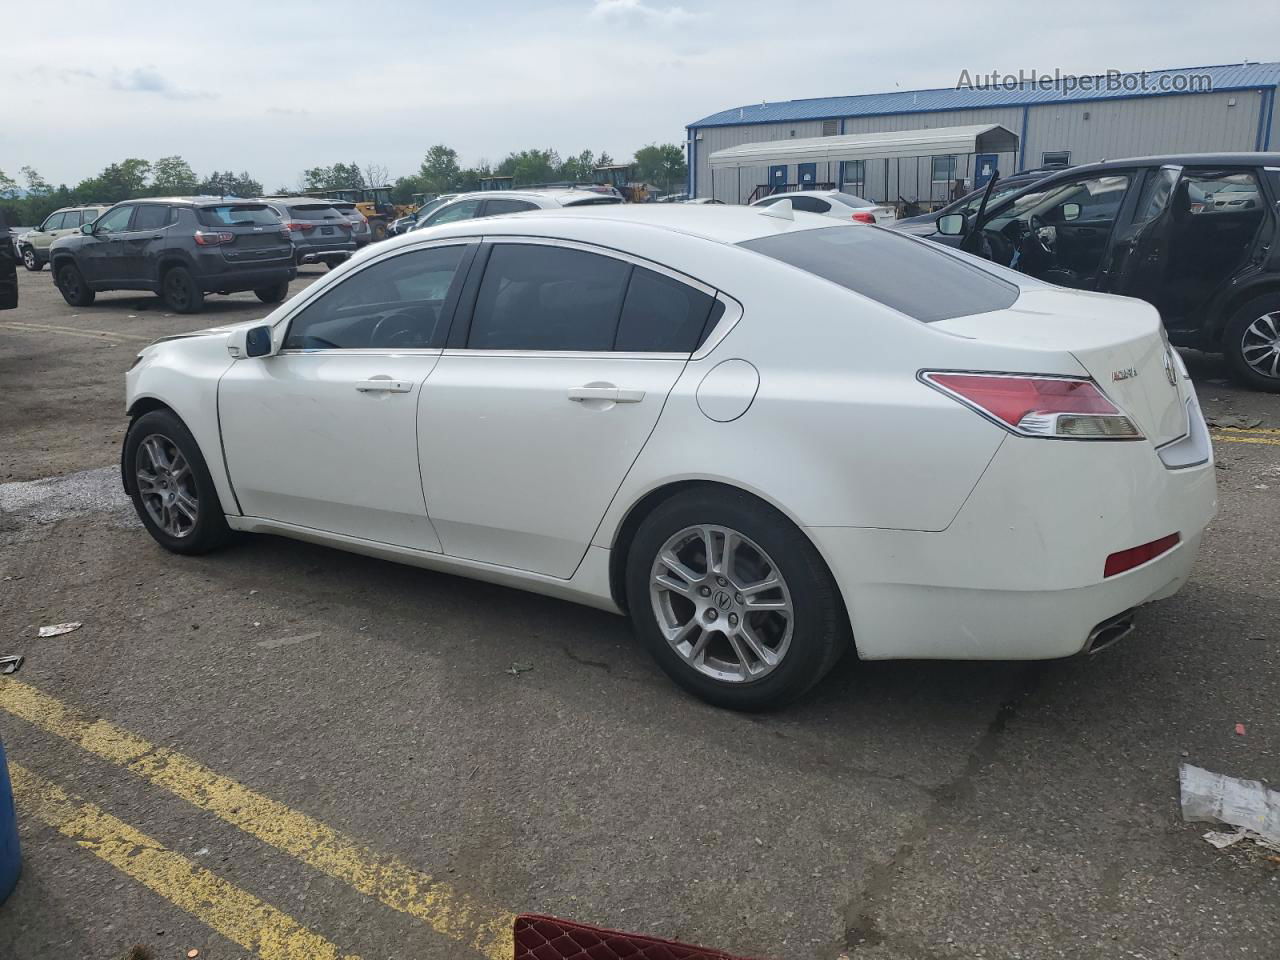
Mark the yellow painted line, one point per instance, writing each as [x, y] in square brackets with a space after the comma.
[1274, 441]
[383, 877]
[1264, 430]
[19, 328]
[215, 902]
[75, 331]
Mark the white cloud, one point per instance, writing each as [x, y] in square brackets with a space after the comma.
[637, 11]
[151, 80]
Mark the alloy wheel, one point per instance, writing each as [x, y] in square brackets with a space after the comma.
[1260, 345]
[29, 258]
[167, 485]
[722, 603]
[175, 289]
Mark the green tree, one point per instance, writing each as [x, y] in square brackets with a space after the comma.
[8, 187]
[37, 186]
[119, 181]
[531, 166]
[662, 165]
[439, 172]
[340, 176]
[230, 184]
[173, 176]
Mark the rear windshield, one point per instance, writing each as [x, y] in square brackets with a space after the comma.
[907, 275]
[314, 211]
[591, 201]
[344, 207]
[237, 215]
[850, 200]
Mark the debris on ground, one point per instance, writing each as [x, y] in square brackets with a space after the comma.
[1233, 422]
[1239, 729]
[58, 629]
[11, 664]
[192, 954]
[518, 668]
[1245, 804]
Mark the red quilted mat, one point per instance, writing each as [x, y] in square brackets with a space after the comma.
[547, 938]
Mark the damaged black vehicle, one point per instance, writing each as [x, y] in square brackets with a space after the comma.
[1195, 235]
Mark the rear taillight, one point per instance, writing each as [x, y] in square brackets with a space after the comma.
[299, 227]
[864, 217]
[207, 239]
[1067, 408]
[1124, 560]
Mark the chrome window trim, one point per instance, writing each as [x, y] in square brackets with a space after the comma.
[362, 352]
[564, 354]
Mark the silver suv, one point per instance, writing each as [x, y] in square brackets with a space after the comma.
[33, 246]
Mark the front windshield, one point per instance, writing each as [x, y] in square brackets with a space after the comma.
[1097, 194]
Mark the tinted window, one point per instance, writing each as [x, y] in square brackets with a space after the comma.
[536, 297]
[851, 200]
[151, 216]
[767, 201]
[313, 211]
[889, 268]
[237, 215]
[86, 216]
[115, 219]
[494, 208]
[810, 204]
[395, 303]
[55, 222]
[462, 210]
[592, 201]
[661, 315]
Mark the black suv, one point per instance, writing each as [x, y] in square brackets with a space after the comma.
[1195, 235]
[180, 248]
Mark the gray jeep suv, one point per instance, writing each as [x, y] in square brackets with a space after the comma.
[179, 247]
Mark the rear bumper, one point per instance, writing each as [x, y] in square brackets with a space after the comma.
[235, 278]
[308, 251]
[1018, 575]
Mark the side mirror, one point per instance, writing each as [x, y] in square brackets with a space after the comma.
[253, 342]
[1071, 211]
[87, 229]
[952, 225]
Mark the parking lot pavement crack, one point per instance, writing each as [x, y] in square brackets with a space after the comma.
[863, 914]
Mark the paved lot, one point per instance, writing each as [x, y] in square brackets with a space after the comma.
[284, 751]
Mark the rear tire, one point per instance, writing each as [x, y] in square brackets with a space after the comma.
[72, 285]
[274, 294]
[31, 261]
[170, 485]
[1251, 344]
[378, 230]
[180, 292]
[738, 618]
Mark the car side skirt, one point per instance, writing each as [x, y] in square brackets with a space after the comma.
[588, 586]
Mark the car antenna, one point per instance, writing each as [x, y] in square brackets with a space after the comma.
[782, 210]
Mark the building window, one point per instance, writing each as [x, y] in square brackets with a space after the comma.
[829, 128]
[854, 175]
[944, 169]
[1056, 158]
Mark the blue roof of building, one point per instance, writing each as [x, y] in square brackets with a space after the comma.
[980, 93]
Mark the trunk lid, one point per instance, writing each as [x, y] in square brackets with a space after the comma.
[258, 233]
[1120, 342]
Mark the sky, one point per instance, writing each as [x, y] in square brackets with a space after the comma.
[276, 86]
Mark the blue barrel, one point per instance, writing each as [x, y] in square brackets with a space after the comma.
[10, 857]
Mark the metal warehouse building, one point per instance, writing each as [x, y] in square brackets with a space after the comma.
[929, 145]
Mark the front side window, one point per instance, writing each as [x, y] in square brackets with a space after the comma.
[886, 266]
[54, 222]
[151, 216]
[540, 297]
[462, 210]
[115, 220]
[395, 303]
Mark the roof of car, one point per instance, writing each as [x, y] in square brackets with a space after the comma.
[728, 223]
[560, 195]
[1183, 159]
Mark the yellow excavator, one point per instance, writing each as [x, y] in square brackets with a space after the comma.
[374, 203]
[618, 176]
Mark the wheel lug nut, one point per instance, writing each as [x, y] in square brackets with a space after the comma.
[722, 581]
[705, 591]
[711, 614]
[733, 619]
[737, 598]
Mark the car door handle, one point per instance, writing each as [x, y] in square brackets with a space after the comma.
[580, 394]
[384, 385]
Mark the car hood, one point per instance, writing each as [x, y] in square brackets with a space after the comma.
[916, 227]
[925, 218]
[209, 331]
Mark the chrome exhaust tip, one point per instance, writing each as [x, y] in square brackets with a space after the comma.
[1109, 631]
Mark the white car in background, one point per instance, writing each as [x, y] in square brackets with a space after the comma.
[493, 203]
[833, 203]
[769, 439]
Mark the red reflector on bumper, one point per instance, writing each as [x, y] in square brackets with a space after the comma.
[1136, 556]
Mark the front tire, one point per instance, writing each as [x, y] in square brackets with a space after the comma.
[170, 484]
[733, 600]
[72, 285]
[1251, 344]
[31, 261]
[274, 294]
[180, 291]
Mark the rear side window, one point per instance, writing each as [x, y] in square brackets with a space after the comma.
[393, 304]
[810, 204]
[850, 200]
[151, 216]
[237, 215]
[536, 297]
[906, 275]
[494, 208]
[661, 315]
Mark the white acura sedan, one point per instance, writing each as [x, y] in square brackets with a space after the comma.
[767, 437]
